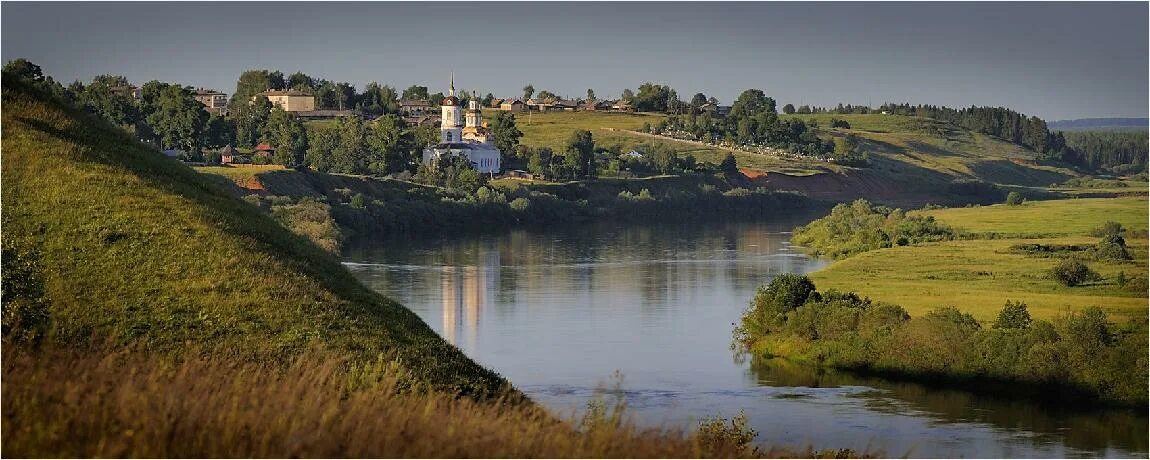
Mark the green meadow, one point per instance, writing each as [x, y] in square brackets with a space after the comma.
[979, 275]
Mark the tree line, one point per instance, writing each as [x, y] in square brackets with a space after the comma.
[168, 116]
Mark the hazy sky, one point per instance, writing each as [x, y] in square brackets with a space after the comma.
[1054, 60]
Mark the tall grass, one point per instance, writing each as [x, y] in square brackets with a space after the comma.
[131, 404]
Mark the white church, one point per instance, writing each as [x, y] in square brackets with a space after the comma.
[464, 134]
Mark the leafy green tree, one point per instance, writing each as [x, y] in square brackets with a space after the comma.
[390, 145]
[250, 120]
[378, 100]
[219, 132]
[1013, 316]
[109, 96]
[286, 134]
[698, 100]
[547, 96]
[662, 158]
[1014, 198]
[750, 104]
[789, 109]
[505, 132]
[627, 95]
[1072, 273]
[539, 162]
[300, 81]
[276, 80]
[580, 153]
[251, 83]
[528, 91]
[487, 100]
[653, 98]
[416, 92]
[321, 144]
[591, 95]
[177, 119]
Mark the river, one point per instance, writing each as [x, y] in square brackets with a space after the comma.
[558, 312]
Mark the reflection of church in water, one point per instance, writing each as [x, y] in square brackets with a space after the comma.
[466, 292]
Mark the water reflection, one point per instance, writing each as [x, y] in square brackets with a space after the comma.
[557, 312]
[1089, 431]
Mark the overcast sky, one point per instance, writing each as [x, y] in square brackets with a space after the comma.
[1054, 60]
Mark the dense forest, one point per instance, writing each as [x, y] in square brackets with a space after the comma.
[1122, 152]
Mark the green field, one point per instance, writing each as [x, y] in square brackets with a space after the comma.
[979, 276]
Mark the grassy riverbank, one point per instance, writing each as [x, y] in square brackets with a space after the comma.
[980, 273]
[983, 307]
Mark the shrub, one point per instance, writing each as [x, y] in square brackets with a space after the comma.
[1013, 316]
[357, 201]
[715, 435]
[784, 294]
[1071, 273]
[25, 305]
[861, 226]
[1109, 229]
[1014, 199]
[520, 204]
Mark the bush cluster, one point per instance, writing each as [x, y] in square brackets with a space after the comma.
[1080, 354]
[861, 226]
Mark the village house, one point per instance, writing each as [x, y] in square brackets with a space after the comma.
[214, 102]
[264, 150]
[228, 155]
[290, 100]
[512, 105]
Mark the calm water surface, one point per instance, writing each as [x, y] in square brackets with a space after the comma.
[558, 312]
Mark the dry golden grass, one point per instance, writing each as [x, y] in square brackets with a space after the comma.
[64, 404]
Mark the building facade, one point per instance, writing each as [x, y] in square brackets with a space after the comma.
[290, 100]
[463, 134]
[214, 101]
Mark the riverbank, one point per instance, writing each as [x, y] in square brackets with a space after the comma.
[367, 208]
[970, 279]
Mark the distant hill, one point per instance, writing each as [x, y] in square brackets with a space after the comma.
[1100, 124]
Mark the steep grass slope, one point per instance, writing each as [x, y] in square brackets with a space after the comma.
[133, 248]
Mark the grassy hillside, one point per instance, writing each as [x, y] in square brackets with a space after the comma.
[135, 249]
[978, 276]
[913, 160]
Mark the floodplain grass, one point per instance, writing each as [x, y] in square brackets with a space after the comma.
[979, 275]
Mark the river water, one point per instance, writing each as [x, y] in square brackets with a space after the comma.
[559, 312]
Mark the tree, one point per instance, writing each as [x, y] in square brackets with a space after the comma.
[547, 96]
[591, 95]
[378, 100]
[653, 98]
[772, 302]
[1070, 273]
[627, 95]
[1014, 198]
[320, 147]
[751, 103]
[250, 120]
[789, 109]
[662, 158]
[219, 132]
[300, 81]
[109, 96]
[250, 83]
[729, 164]
[178, 120]
[505, 132]
[286, 134]
[1013, 316]
[488, 99]
[698, 100]
[804, 109]
[390, 146]
[528, 91]
[415, 92]
[580, 153]
[539, 161]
